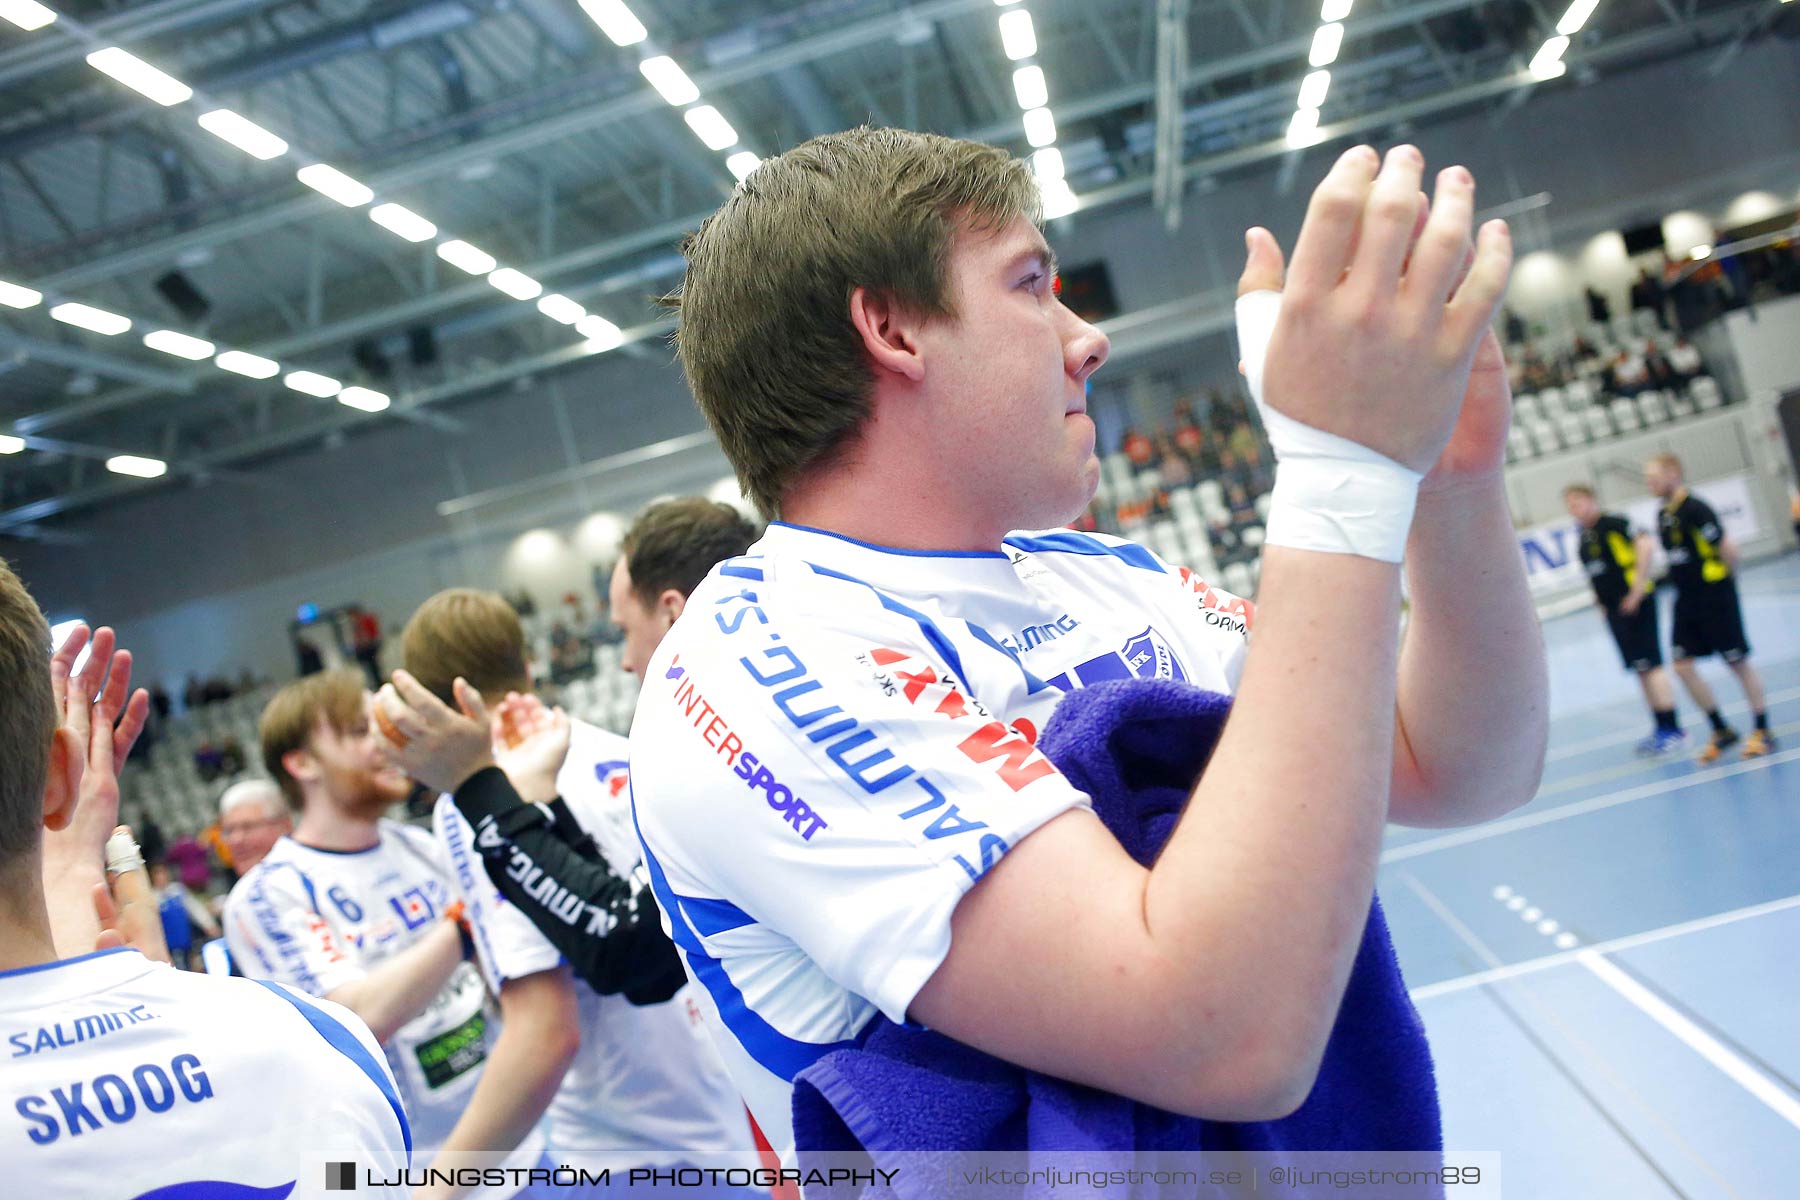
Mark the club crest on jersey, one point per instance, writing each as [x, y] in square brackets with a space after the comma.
[1149, 657]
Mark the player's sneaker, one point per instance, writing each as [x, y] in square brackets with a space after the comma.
[1722, 739]
[1663, 741]
[1758, 744]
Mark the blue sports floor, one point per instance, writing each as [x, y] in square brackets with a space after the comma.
[1611, 975]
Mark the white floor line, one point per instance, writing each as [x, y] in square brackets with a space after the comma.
[1549, 1017]
[1462, 983]
[1494, 829]
[1697, 1039]
[1737, 708]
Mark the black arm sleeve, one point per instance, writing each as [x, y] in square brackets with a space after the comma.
[609, 929]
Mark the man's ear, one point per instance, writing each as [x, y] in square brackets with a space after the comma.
[888, 333]
[671, 604]
[301, 765]
[62, 783]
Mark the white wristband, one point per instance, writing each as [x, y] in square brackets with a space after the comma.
[1331, 494]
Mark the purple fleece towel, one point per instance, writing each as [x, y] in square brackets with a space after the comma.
[1136, 748]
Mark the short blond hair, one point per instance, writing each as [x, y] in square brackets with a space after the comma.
[28, 717]
[474, 634]
[1669, 462]
[292, 716]
[766, 339]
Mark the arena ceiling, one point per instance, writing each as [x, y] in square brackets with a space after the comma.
[521, 128]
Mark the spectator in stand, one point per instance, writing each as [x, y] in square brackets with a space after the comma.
[1190, 442]
[1648, 293]
[253, 816]
[1599, 311]
[1684, 360]
[1630, 374]
[1243, 441]
[1243, 511]
[183, 914]
[1138, 448]
[160, 704]
[193, 695]
[1515, 327]
[1171, 466]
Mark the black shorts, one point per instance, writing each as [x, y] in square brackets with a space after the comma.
[1708, 620]
[1636, 636]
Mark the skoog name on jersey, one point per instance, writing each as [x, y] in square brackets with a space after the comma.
[89, 1105]
[72, 1033]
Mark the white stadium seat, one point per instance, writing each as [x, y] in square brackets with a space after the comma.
[1518, 442]
[1573, 430]
[1653, 408]
[1544, 434]
[1705, 390]
[1600, 426]
[1625, 416]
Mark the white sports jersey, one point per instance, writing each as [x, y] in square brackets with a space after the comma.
[647, 1081]
[837, 740]
[124, 1077]
[318, 919]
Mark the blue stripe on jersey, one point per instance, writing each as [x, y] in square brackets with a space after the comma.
[63, 962]
[741, 572]
[1081, 543]
[777, 1053]
[893, 549]
[218, 1189]
[714, 916]
[1033, 685]
[927, 626]
[347, 1044]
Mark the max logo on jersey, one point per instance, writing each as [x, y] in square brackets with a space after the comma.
[1015, 745]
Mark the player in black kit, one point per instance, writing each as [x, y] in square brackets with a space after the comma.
[1617, 561]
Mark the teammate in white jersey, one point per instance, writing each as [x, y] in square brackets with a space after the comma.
[120, 1076]
[834, 748]
[620, 1082]
[358, 909]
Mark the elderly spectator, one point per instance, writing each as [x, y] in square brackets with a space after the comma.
[253, 816]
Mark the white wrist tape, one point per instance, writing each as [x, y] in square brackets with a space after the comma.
[1331, 494]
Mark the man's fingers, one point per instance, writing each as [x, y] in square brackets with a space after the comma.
[1263, 266]
[470, 700]
[1330, 231]
[398, 722]
[62, 663]
[125, 736]
[93, 674]
[416, 696]
[1473, 307]
[118, 687]
[104, 908]
[1387, 222]
[1444, 244]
